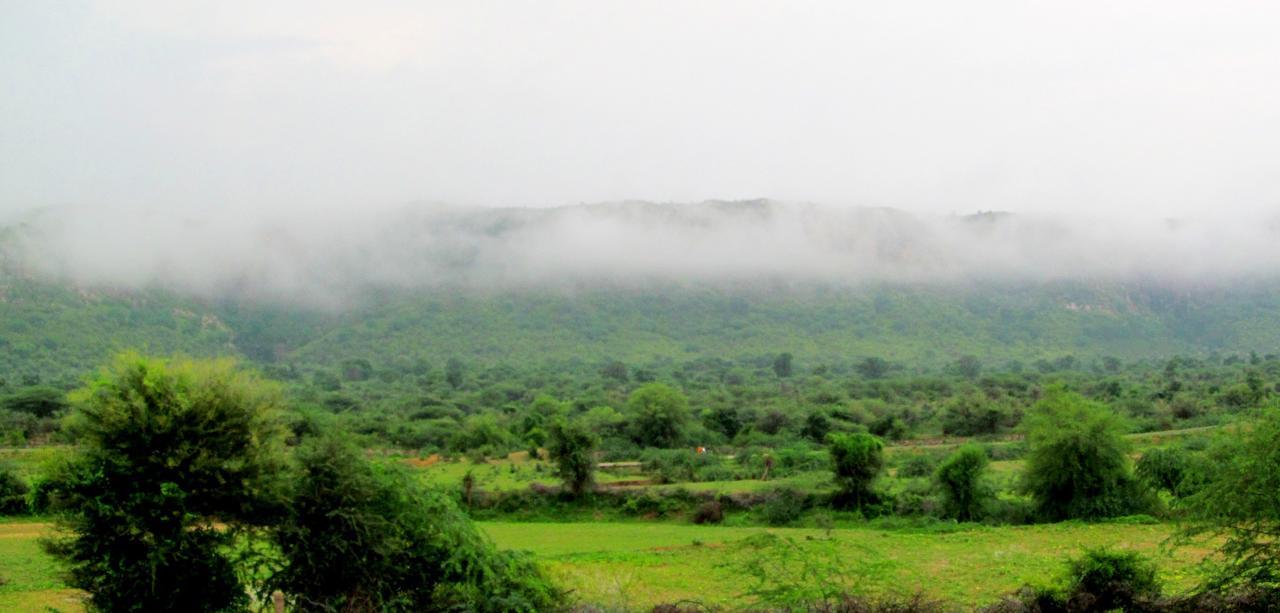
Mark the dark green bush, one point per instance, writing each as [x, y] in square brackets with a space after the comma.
[167, 448]
[13, 493]
[1078, 466]
[572, 448]
[960, 480]
[1105, 580]
[857, 460]
[361, 538]
[783, 506]
[918, 465]
[709, 512]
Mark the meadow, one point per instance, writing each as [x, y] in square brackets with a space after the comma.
[629, 566]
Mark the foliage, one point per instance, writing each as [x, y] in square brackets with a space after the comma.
[857, 460]
[960, 479]
[659, 413]
[971, 415]
[167, 448]
[13, 492]
[1169, 469]
[1238, 503]
[360, 538]
[1111, 579]
[572, 448]
[40, 401]
[1077, 465]
[709, 512]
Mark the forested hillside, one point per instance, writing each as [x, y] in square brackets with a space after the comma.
[60, 331]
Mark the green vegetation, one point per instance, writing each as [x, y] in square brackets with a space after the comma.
[961, 479]
[878, 438]
[167, 450]
[1077, 463]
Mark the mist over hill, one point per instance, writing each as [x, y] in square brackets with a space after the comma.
[333, 259]
[639, 282]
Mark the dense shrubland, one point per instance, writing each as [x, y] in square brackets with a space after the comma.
[156, 444]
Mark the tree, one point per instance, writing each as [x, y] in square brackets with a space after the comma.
[13, 492]
[1237, 502]
[658, 415]
[1077, 466]
[363, 538]
[572, 448]
[872, 368]
[960, 479]
[453, 373]
[37, 401]
[967, 366]
[782, 365]
[857, 460]
[971, 415]
[176, 460]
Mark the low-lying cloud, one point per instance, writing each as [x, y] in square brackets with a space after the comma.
[333, 258]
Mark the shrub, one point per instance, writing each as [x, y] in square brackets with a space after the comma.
[918, 465]
[972, 415]
[783, 506]
[1106, 580]
[13, 493]
[167, 448]
[857, 460]
[1237, 503]
[1077, 465]
[572, 448]
[709, 512]
[362, 538]
[1163, 469]
[658, 415]
[960, 479]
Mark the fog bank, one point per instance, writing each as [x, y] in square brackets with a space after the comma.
[333, 258]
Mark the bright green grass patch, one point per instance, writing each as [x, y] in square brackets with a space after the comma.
[632, 566]
[638, 565]
[31, 578]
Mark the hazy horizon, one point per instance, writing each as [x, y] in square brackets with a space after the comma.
[1151, 108]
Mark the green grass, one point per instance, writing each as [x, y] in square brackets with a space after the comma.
[634, 565]
[638, 565]
[31, 578]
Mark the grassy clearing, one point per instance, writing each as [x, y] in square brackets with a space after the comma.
[31, 578]
[632, 566]
[638, 565]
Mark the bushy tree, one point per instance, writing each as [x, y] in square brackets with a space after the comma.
[1076, 466]
[13, 492]
[1237, 502]
[38, 401]
[362, 538]
[782, 365]
[176, 459]
[972, 414]
[857, 460]
[960, 479]
[658, 415]
[572, 447]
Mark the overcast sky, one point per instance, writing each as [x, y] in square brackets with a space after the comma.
[1165, 107]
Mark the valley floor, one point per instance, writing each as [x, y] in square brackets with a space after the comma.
[634, 565]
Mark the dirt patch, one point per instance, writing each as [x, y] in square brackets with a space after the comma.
[430, 460]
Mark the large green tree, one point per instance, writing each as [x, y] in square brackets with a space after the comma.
[659, 413]
[1077, 465]
[360, 537]
[176, 459]
[857, 460]
[572, 448]
[1236, 503]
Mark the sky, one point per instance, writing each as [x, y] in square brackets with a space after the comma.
[1155, 108]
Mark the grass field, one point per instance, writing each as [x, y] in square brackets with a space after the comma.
[631, 566]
